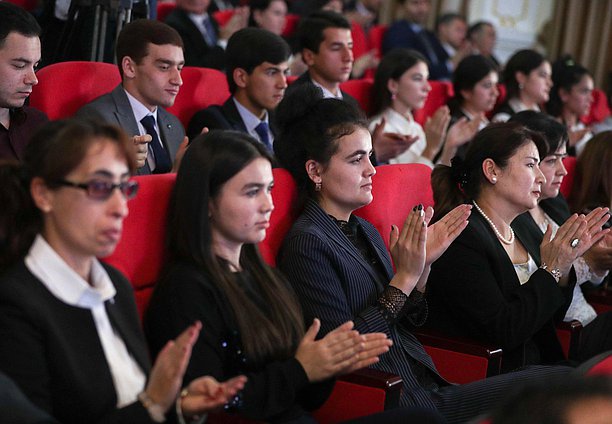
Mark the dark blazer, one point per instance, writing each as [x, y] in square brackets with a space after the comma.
[276, 391]
[335, 283]
[474, 291]
[400, 34]
[114, 108]
[24, 122]
[221, 117]
[305, 79]
[53, 352]
[197, 52]
[15, 408]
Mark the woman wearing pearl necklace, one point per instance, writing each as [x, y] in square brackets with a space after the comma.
[486, 285]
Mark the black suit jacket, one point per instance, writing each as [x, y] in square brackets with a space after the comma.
[197, 52]
[53, 352]
[114, 108]
[336, 284]
[400, 34]
[221, 117]
[473, 290]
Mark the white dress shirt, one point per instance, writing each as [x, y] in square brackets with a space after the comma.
[251, 121]
[65, 284]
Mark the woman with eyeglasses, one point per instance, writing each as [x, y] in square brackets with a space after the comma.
[71, 338]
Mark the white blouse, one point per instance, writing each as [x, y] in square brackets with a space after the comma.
[65, 284]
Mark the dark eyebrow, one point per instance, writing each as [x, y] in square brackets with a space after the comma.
[107, 174]
[534, 158]
[356, 153]
[169, 62]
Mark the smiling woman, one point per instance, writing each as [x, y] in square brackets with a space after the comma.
[71, 336]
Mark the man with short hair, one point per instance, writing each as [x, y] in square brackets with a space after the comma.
[257, 67]
[451, 29]
[150, 58]
[19, 56]
[326, 45]
[483, 38]
[411, 33]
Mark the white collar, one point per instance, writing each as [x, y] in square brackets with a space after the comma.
[63, 282]
[140, 110]
[518, 106]
[328, 94]
[248, 117]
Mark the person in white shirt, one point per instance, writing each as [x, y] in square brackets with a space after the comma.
[71, 338]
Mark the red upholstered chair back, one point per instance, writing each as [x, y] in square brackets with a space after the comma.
[223, 16]
[141, 253]
[66, 86]
[360, 42]
[29, 5]
[600, 109]
[164, 9]
[377, 34]
[201, 88]
[566, 185]
[361, 90]
[291, 24]
[396, 190]
[441, 92]
[284, 195]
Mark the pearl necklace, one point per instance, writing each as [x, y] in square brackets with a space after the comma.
[495, 230]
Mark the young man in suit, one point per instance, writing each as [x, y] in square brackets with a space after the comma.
[326, 45]
[150, 58]
[411, 33]
[19, 56]
[257, 67]
[204, 40]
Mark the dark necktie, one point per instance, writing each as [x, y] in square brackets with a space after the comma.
[210, 36]
[262, 131]
[162, 159]
[431, 53]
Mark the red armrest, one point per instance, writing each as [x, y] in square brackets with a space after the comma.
[461, 360]
[361, 393]
[569, 336]
[600, 299]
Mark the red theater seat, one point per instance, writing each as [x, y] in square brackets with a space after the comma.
[66, 86]
[164, 9]
[361, 90]
[376, 35]
[141, 253]
[201, 88]
[566, 185]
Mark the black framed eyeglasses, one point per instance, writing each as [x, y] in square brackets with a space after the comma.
[102, 190]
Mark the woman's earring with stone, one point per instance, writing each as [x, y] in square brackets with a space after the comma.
[318, 186]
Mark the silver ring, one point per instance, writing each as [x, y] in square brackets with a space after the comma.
[575, 242]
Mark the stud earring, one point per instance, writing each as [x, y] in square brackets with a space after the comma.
[318, 186]
[494, 180]
[393, 96]
[521, 86]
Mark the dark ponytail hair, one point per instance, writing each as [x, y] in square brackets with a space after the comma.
[555, 133]
[211, 160]
[54, 151]
[310, 127]
[463, 180]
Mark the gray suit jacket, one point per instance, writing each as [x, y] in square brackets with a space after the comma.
[114, 108]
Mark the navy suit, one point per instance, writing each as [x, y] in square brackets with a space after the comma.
[401, 34]
[114, 108]
[335, 283]
[221, 117]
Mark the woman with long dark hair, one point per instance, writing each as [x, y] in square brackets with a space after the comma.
[71, 337]
[220, 210]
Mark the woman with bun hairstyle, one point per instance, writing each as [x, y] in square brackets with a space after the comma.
[487, 285]
[338, 263]
[527, 77]
[71, 337]
[253, 321]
